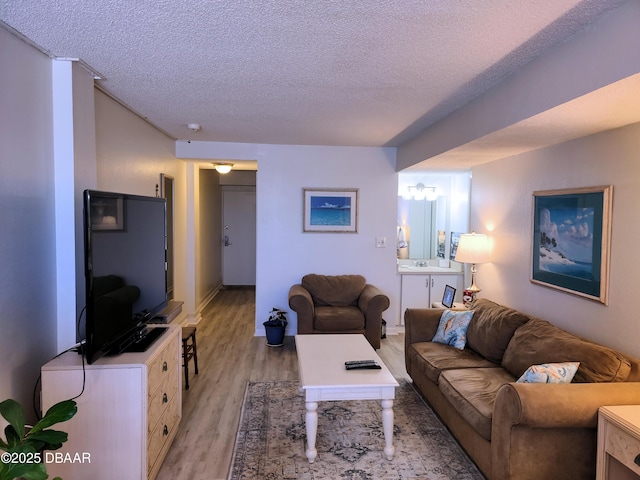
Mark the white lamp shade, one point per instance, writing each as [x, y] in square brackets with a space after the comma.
[473, 248]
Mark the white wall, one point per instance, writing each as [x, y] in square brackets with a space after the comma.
[284, 252]
[502, 207]
[27, 218]
[209, 232]
[74, 160]
[131, 155]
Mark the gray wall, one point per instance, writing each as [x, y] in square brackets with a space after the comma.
[27, 220]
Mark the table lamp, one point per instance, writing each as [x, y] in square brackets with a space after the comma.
[473, 248]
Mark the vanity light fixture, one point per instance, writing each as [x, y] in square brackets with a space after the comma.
[223, 167]
[421, 192]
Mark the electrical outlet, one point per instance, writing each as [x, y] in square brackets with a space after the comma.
[381, 242]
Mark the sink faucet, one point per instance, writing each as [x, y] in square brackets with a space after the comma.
[421, 263]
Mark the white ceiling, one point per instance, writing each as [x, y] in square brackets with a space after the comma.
[308, 72]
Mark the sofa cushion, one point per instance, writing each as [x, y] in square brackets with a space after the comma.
[334, 290]
[492, 328]
[452, 329]
[538, 342]
[472, 392]
[550, 373]
[337, 319]
[432, 358]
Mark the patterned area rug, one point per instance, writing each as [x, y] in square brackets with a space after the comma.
[271, 439]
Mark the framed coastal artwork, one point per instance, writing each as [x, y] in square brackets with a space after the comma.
[331, 210]
[571, 240]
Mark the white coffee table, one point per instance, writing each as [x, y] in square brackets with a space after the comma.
[323, 377]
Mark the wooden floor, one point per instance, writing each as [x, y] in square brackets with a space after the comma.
[228, 357]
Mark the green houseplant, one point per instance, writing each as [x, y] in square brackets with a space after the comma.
[275, 327]
[22, 448]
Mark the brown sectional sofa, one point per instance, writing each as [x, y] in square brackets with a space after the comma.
[518, 431]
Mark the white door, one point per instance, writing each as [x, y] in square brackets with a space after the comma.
[239, 236]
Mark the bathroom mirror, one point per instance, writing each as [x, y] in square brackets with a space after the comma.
[430, 207]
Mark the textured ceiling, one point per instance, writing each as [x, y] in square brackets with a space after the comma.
[316, 72]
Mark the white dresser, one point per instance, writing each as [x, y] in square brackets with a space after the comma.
[127, 416]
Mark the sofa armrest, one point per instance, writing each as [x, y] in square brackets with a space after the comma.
[301, 302]
[420, 324]
[572, 405]
[550, 430]
[372, 302]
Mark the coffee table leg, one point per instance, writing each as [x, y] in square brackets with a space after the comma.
[387, 427]
[311, 422]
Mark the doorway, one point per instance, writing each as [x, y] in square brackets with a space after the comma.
[166, 192]
[239, 235]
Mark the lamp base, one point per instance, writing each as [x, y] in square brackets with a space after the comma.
[469, 293]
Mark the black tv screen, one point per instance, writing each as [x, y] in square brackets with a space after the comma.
[125, 268]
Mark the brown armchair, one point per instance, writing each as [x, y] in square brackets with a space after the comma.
[339, 304]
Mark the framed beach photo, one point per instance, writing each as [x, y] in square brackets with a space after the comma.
[448, 296]
[330, 210]
[571, 239]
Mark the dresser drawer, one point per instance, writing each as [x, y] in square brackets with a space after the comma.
[623, 447]
[161, 397]
[161, 365]
[163, 431]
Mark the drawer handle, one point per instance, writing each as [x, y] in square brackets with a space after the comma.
[165, 430]
[637, 460]
[165, 399]
[165, 367]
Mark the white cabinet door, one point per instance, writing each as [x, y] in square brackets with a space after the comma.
[419, 291]
[415, 293]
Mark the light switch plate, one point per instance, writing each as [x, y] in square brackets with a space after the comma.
[381, 242]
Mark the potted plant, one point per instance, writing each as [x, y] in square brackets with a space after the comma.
[275, 327]
[22, 455]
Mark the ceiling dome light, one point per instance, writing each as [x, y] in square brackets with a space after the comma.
[223, 167]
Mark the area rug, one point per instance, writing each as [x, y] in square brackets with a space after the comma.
[271, 439]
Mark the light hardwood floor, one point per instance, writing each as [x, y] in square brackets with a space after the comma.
[229, 356]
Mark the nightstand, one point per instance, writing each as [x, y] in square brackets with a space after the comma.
[618, 443]
[456, 306]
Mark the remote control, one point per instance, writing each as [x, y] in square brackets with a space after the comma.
[364, 366]
[358, 362]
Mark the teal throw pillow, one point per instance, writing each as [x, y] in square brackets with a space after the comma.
[550, 373]
[452, 329]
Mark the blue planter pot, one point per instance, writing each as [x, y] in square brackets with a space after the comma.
[275, 335]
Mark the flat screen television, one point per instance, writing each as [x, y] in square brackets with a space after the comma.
[125, 270]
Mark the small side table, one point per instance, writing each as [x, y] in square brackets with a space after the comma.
[457, 306]
[618, 443]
